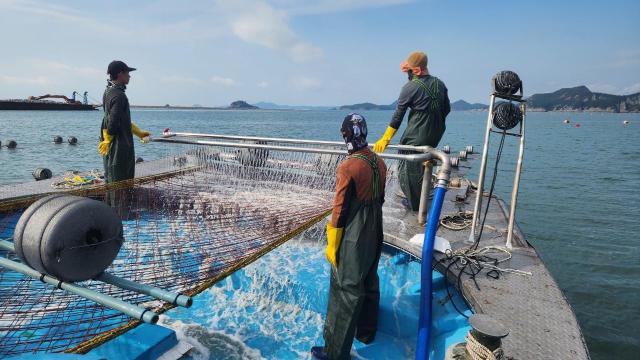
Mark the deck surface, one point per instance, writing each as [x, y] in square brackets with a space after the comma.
[541, 322]
[32, 188]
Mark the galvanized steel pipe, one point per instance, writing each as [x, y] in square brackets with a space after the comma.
[173, 298]
[134, 311]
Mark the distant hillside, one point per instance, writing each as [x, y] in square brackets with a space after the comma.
[241, 105]
[272, 106]
[462, 105]
[580, 98]
[368, 106]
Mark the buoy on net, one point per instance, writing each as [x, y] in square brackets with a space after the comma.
[139, 160]
[463, 155]
[626, 122]
[11, 144]
[82, 237]
[566, 121]
[469, 149]
[72, 140]
[57, 139]
[446, 149]
[577, 125]
[454, 161]
[42, 174]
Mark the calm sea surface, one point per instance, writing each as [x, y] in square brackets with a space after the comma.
[579, 202]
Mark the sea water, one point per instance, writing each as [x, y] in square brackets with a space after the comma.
[579, 202]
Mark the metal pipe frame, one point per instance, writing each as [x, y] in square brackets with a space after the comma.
[424, 193]
[424, 153]
[483, 170]
[284, 140]
[170, 297]
[161, 294]
[422, 156]
[516, 180]
[134, 311]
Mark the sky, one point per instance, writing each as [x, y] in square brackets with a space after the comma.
[322, 52]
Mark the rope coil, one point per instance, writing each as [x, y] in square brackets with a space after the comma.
[477, 351]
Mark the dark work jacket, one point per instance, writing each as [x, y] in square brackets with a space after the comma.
[120, 160]
[428, 99]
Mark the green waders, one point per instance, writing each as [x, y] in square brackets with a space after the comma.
[120, 162]
[354, 292]
[423, 128]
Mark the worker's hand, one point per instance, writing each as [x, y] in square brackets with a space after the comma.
[334, 237]
[104, 145]
[382, 144]
[139, 133]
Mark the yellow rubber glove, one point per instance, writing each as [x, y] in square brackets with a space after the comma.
[384, 140]
[103, 147]
[334, 237]
[139, 133]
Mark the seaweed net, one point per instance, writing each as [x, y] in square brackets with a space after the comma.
[184, 232]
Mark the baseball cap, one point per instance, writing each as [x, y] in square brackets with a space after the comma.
[116, 66]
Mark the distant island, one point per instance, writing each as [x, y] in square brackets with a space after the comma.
[580, 98]
[459, 105]
[236, 105]
[273, 106]
[462, 105]
[369, 106]
[241, 105]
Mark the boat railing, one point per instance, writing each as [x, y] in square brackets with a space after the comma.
[424, 154]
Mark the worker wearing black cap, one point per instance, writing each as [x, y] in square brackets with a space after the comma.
[117, 130]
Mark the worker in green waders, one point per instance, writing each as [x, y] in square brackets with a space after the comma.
[354, 244]
[117, 130]
[428, 100]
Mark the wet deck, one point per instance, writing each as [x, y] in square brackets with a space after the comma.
[36, 188]
[541, 322]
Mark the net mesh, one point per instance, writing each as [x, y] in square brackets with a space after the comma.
[183, 233]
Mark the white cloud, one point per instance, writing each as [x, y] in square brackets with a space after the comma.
[616, 90]
[305, 83]
[228, 82]
[263, 84]
[603, 88]
[17, 80]
[46, 65]
[256, 22]
[631, 89]
[298, 7]
[55, 12]
[177, 79]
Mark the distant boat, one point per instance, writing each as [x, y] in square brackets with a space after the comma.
[626, 122]
[566, 121]
[39, 103]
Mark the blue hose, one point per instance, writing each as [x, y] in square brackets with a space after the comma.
[424, 325]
